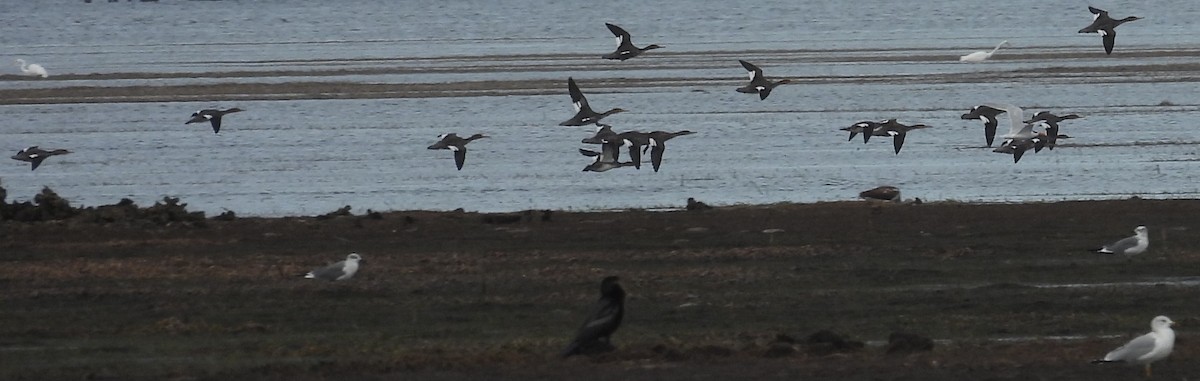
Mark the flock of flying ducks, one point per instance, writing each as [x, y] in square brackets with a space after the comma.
[1020, 138]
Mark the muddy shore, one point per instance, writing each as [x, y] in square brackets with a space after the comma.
[1007, 291]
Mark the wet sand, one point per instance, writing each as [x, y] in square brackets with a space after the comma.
[1009, 292]
[319, 83]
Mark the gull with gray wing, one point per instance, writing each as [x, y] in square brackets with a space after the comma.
[338, 271]
[1128, 246]
[1146, 349]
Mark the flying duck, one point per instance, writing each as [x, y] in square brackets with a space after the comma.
[897, 131]
[35, 155]
[885, 193]
[212, 116]
[341, 270]
[456, 144]
[602, 322]
[583, 113]
[657, 145]
[1106, 26]
[865, 127]
[1051, 122]
[633, 141]
[1018, 146]
[988, 115]
[625, 49]
[758, 83]
[603, 132]
[605, 160]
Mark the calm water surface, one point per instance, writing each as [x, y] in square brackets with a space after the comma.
[312, 156]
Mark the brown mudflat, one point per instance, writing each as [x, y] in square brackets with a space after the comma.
[1007, 291]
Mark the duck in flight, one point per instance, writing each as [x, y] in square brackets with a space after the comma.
[583, 112]
[658, 145]
[604, 320]
[35, 155]
[1051, 121]
[211, 115]
[758, 83]
[632, 141]
[604, 160]
[897, 131]
[625, 48]
[988, 115]
[1106, 26]
[457, 145]
[866, 127]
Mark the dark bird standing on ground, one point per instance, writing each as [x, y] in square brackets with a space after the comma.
[658, 145]
[603, 321]
[696, 206]
[212, 116]
[885, 193]
[625, 49]
[583, 113]
[35, 155]
[988, 115]
[456, 144]
[1106, 26]
[758, 83]
[897, 131]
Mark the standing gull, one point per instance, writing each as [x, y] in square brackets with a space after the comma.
[211, 115]
[625, 48]
[1146, 349]
[1128, 246]
[457, 145]
[1106, 26]
[338, 271]
[603, 321]
[583, 113]
[758, 83]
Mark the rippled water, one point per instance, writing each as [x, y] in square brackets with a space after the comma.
[311, 156]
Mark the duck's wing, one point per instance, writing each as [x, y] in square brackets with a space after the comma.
[577, 99]
[623, 39]
[1109, 35]
[656, 152]
[898, 140]
[753, 71]
[216, 123]
[460, 155]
